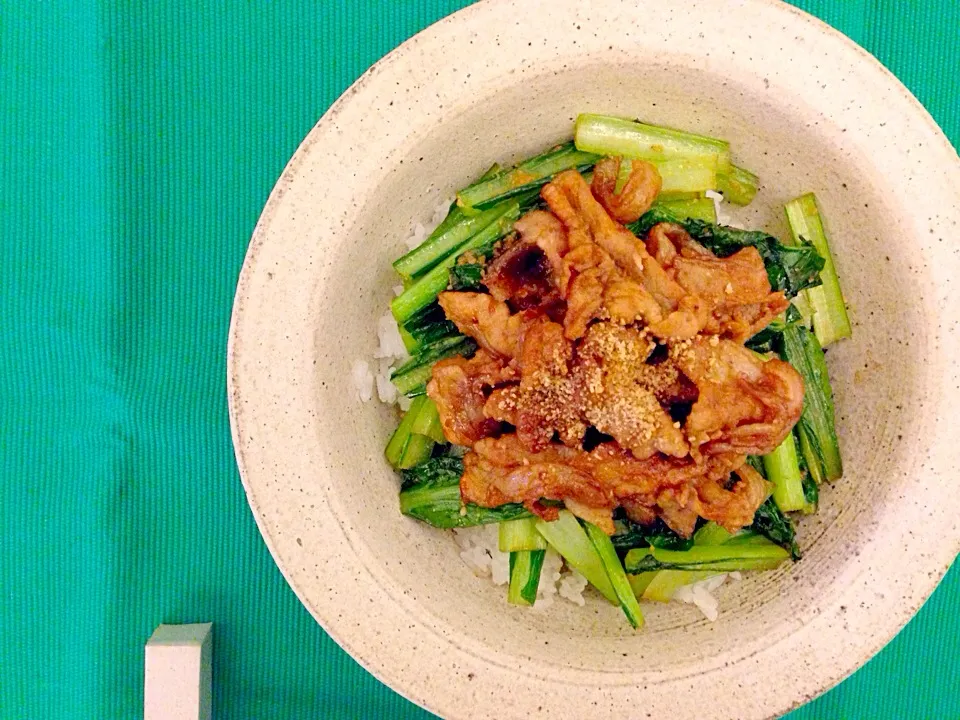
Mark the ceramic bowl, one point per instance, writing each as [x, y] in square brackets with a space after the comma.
[803, 107]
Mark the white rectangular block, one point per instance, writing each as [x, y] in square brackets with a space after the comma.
[177, 673]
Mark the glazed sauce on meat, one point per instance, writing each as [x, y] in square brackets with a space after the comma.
[611, 375]
[521, 273]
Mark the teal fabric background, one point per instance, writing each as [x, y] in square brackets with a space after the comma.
[138, 143]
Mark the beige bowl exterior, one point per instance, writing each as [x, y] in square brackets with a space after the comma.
[806, 109]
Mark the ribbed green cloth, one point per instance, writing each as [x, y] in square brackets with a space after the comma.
[138, 143]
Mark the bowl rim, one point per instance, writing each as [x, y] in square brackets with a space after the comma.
[288, 177]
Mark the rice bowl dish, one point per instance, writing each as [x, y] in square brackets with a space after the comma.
[311, 457]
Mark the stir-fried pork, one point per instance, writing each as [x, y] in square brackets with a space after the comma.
[586, 325]
[734, 290]
[617, 388]
[485, 319]
[745, 404]
[638, 192]
[460, 388]
[501, 470]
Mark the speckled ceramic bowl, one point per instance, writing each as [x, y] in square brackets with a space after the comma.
[807, 110]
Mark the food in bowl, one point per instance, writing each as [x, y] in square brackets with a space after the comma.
[626, 388]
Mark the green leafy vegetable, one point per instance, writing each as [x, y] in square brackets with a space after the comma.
[711, 534]
[659, 213]
[789, 268]
[688, 175]
[443, 241]
[770, 339]
[525, 567]
[431, 493]
[516, 535]
[491, 171]
[618, 578]
[442, 471]
[772, 523]
[764, 342]
[524, 181]
[401, 436]
[756, 463]
[738, 186]
[411, 377]
[632, 535]
[568, 538]
[640, 583]
[466, 276]
[614, 136]
[699, 208]
[747, 536]
[424, 290]
[428, 423]
[663, 584]
[628, 535]
[816, 427]
[720, 558]
[811, 493]
[419, 448]
[830, 320]
[783, 470]
[429, 326]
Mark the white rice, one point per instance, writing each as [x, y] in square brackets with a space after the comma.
[386, 390]
[702, 595]
[550, 574]
[362, 380]
[390, 351]
[418, 236]
[719, 209]
[499, 566]
[572, 586]
[478, 549]
[421, 232]
[389, 355]
[440, 213]
[477, 546]
[391, 344]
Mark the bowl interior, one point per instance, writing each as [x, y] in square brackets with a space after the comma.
[318, 277]
[873, 375]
